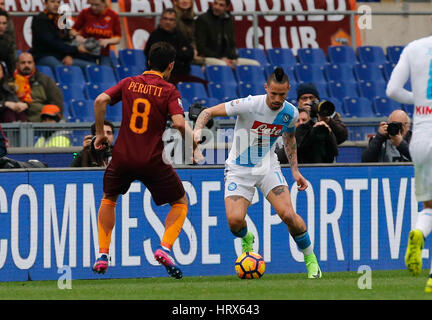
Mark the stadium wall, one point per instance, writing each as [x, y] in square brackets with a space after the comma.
[404, 28]
[356, 215]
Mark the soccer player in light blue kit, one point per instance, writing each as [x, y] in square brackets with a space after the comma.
[252, 161]
[415, 62]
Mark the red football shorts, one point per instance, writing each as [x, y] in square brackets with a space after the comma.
[161, 180]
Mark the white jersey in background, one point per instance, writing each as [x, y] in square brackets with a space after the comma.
[256, 130]
[415, 63]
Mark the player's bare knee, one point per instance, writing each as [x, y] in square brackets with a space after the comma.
[182, 200]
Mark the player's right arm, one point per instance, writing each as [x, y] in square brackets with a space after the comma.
[205, 116]
[400, 75]
[99, 109]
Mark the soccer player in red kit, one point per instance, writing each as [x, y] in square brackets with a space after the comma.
[148, 101]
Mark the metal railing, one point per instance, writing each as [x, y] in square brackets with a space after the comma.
[25, 134]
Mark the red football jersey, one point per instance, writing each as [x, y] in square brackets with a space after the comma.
[104, 26]
[148, 101]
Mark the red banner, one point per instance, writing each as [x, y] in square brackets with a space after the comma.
[298, 31]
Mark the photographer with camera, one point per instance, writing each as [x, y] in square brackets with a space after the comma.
[308, 97]
[318, 138]
[88, 156]
[391, 143]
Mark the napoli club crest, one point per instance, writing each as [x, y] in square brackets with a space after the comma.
[286, 118]
[232, 186]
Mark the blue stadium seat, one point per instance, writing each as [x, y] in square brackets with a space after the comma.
[114, 113]
[340, 90]
[388, 69]
[311, 56]
[393, 53]
[383, 106]
[114, 59]
[293, 101]
[128, 71]
[69, 74]
[341, 54]
[372, 89]
[360, 107]
[82, 110]
[409, 109]
[254, 53]
[339, 72]
[197, 71]
[371, 54]
[98, 74]
[67, 114]
[221, 91]
[292, 93]
[95, 89]
[322, 88]
[192, 90]
[250, 88]
[209, 102]
[250, 73]
[220, 74]
[46, 70]
[72, 91]
[279, 56]
[369, 72]
[289, 70]
[185, 104]
[309, 73]
[133, 57]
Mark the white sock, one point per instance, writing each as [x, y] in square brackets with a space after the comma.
[165, 248]
[424, 222]
[307, 251]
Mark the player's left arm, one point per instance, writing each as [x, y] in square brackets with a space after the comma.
[99, 110]
[290, 146]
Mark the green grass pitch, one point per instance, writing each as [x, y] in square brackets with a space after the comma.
[388, 285]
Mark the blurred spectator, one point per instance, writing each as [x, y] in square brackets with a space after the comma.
[51, 45]
[88, 156]
[10, 29]
[52, 138]
[168, 32]
[35, 88]
[100, 25]
[307, 97]
[4, 143]
[304, 116]
[186, 24]
[11, 109]
[7, 45]
[391, 143]
[215, 37]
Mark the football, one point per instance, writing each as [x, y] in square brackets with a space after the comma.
[249, 265]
